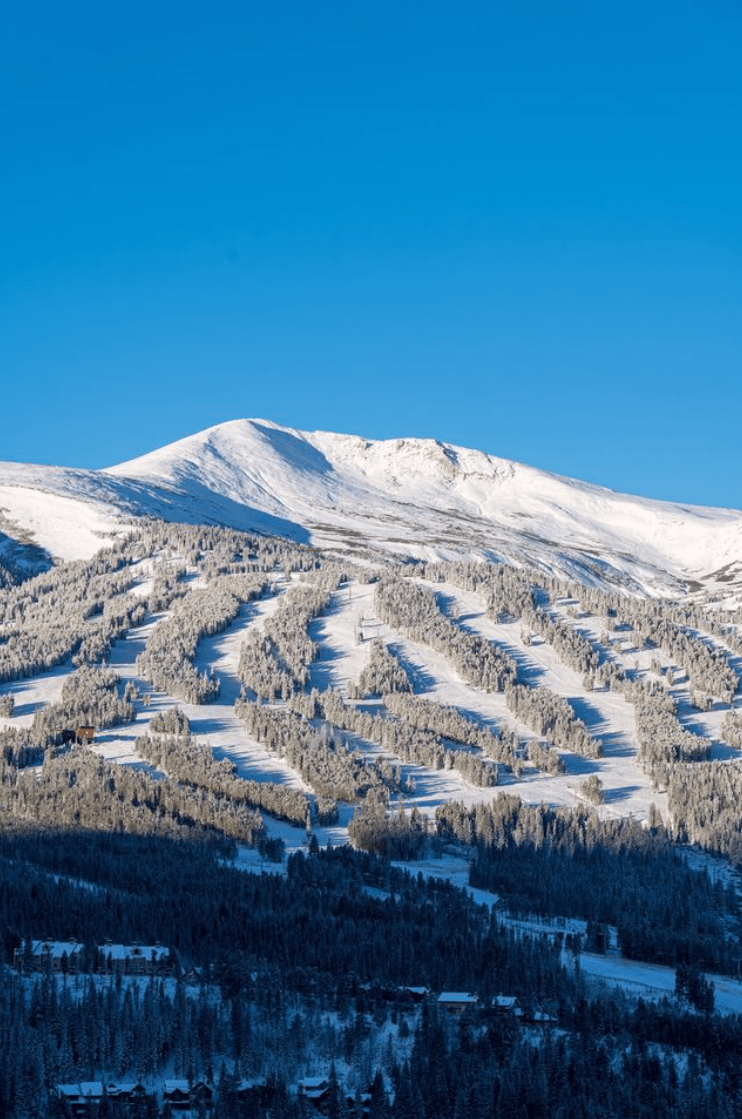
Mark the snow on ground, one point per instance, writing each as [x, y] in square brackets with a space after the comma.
[624, 651]
[67, 527]
[34, 693]
[342, 656]
[295, 839]
[350, 614]
[216, 723]
[406, 496]
[142, 571]
[717, 867]
[430, 496]
[213, 724]
[341, 661]
[76, 985]
[653, 981]
[608, 716]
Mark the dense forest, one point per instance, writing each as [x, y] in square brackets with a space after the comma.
[318, 963]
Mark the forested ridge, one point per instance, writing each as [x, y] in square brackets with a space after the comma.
[133, 839]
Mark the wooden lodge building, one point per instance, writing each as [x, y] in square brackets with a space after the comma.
[69, 957]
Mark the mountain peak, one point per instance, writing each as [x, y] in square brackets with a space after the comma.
[412, 497]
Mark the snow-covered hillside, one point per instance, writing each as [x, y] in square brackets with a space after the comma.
[406, 496]
[259, 690]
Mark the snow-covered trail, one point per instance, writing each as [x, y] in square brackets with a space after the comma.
[214, 724]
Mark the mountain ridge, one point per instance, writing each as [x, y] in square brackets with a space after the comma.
[420, 498]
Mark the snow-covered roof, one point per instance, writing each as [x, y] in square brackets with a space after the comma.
[55, 948]
[86, 1088]
[134, 951]
[313, 1087]
[457, 997]
[176, 1086]
[93, 1089]
[313, 1081]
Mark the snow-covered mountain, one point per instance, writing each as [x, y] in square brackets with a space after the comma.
[416, 497]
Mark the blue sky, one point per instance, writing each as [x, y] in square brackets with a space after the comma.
[515, 227]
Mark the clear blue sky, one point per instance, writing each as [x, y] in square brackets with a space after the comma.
[512, 226]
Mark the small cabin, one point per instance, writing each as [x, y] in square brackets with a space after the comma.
[80, 1100]
[457, 1002]
[184, 1096]
[316, 1090]
[178, 1094]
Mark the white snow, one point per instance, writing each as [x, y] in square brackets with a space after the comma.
[407, 496]
[65, 526]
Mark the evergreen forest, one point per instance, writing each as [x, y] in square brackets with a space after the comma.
[336, 786]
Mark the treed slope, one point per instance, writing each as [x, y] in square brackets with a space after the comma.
[557, 691]
[250, 694]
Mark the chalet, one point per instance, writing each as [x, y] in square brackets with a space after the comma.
[84, 1099]
[202, 1095]
[85, 735]
[81, 1099]
[178, 1094]
[457, 1002]
[315, 1089]
[134, 959]
[126, 1093]
[59, 956]
[184, 1096]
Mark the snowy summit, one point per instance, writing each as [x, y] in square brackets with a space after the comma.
[410, 497]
